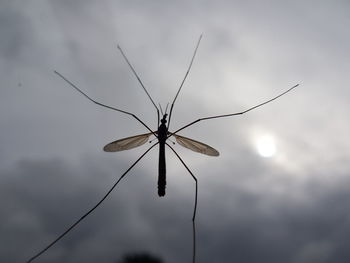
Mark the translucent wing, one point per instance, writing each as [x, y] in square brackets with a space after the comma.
[127, 143]
[196, 146]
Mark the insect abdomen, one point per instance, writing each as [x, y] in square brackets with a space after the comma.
[161, 170]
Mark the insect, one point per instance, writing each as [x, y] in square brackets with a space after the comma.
[162, 134]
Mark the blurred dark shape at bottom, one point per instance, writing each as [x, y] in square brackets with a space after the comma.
[140, 258]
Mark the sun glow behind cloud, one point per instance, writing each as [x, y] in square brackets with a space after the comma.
[271, 146]
[266, 146]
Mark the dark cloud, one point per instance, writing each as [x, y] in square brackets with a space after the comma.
[16, 31]
[41, 198]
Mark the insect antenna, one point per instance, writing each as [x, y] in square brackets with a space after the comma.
[161, 110]
[91, 210]
[166, 108]
[139, 80]
[183, 81]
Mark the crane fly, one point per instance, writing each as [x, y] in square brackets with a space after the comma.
[162, 134]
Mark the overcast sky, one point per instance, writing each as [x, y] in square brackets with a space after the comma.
[293, 206]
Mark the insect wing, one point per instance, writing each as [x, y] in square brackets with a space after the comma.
[196, 146]
[127, 143]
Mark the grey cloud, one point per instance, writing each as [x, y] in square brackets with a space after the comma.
[15, 30]
[289, 208]
[52, 194]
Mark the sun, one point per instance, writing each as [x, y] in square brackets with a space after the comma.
[266, 146]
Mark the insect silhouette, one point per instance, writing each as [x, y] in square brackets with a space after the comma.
[162, 134]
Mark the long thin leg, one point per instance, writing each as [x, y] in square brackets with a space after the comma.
[195, 206]
[103, 105]
[138, 78]
[233, 114]
[183, 81]
[92, 209]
